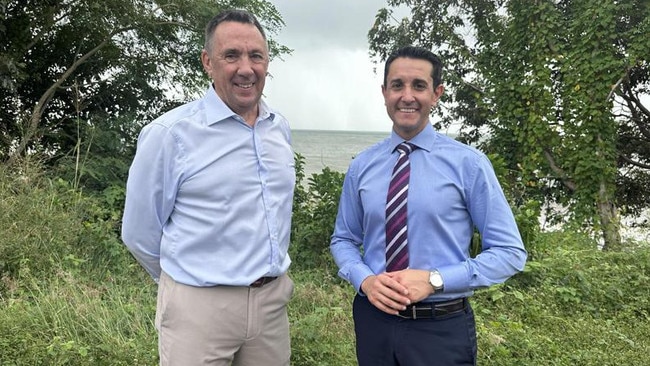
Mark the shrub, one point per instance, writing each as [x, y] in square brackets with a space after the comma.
[322, 332]
[314, 214]
[70, 294]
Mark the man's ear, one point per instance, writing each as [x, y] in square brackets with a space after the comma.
[207, 63]
[438, 91]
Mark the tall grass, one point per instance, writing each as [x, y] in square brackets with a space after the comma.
[70, 323]
[321, 324]
[70, 294]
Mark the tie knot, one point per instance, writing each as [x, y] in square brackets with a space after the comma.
[405, 148]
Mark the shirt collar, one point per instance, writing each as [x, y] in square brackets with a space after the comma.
[216, 110]
[423, 140]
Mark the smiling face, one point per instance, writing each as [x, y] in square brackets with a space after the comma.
[237, 62]
[409, 95]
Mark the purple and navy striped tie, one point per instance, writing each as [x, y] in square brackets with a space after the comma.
[397, 256]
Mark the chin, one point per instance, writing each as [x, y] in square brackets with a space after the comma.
[408, 125]
[409, 128]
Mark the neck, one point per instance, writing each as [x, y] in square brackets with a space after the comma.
[251, 116]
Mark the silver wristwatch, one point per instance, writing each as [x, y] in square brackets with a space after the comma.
[435, 279]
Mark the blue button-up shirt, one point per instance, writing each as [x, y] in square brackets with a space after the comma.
[209, 198]
[452, 189]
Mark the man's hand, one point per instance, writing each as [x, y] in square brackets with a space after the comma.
[416, 281]
[386, 293]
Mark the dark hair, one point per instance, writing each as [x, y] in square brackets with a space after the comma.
[232, 15]
[417, 53]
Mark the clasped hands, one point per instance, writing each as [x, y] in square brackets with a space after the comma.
[391, 292]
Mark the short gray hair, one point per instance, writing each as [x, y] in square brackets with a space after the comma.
[231, 15]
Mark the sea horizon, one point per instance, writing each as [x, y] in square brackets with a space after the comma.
[332, 148]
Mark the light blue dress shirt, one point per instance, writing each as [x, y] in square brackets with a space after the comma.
[209, 198]
[452, 189]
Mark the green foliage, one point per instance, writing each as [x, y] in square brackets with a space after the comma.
[75, 319]
[558, 86]
[66, 62]
[49, 223]
[70, 294]
[571, 307]
[34, 217]
[321, 325]
[102, 155]
[314, 214]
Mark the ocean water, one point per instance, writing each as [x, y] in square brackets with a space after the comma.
[333, 149]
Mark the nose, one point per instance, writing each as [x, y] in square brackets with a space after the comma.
[407, 95]
[245, 67]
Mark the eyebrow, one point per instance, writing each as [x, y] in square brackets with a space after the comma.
[400, 80]
[239, 51]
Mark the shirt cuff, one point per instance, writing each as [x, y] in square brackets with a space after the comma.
[454, 278]
[358, 274]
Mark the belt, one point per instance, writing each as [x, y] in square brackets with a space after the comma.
[262, 281]
[429, 310]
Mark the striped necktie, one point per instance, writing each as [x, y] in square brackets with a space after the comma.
[397, 256]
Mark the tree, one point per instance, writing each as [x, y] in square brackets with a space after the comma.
[66, 65]
[552, 86]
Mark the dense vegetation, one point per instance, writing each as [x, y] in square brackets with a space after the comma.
[70, 294]
[563, 105]
[560, 87]
[72, 69]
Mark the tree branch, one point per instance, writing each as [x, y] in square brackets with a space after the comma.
[559, 171]
[44, 100]
[617, 85]
[635, 163]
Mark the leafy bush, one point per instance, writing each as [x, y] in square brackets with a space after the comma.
[574, 306]
[70, 294]
[321, 324]
[47, 223]
[37, 231]
[314, 214]
[74, 320]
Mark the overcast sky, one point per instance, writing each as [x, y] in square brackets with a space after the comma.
[328, 82]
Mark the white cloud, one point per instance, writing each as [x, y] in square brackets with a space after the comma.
[342, 23]
[328, 89]
[328, 82]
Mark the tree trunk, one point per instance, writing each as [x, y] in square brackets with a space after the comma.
[39, 108]
[609, 220]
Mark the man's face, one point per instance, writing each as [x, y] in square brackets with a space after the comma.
[409, 95]
[237, 63]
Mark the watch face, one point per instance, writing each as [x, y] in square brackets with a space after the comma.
[435, 279]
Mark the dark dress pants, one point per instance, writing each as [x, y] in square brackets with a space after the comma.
[388, 340]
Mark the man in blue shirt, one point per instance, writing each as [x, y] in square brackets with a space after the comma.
[208, 210]
[420, 315]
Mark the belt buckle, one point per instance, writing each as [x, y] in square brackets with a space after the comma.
[413, 313]
[262, 281]
[258, 282]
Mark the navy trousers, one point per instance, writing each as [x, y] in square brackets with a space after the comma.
[388, 340]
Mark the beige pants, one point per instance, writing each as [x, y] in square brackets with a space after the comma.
[223, 325]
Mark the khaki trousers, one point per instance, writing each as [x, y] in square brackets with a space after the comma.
[223, 325]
